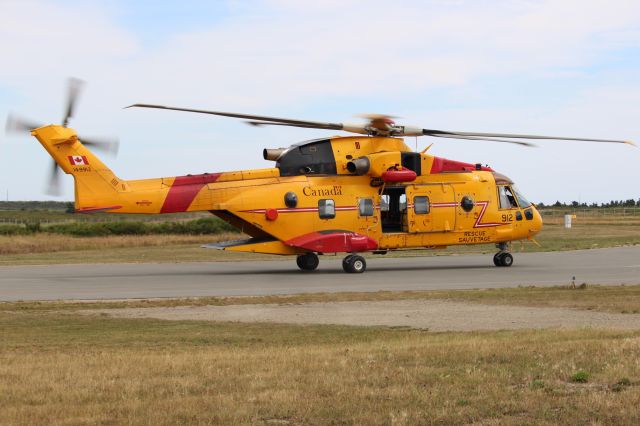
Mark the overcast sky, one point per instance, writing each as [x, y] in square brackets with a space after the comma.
[548, 67]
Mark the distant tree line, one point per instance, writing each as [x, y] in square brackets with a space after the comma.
[613, 203]
[204, 226]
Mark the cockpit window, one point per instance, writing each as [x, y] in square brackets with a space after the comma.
[507, 198]
[524, 203]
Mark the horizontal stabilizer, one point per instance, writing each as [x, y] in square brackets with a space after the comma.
[255, 245]
[227, 244]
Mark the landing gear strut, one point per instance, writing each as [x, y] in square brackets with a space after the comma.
[354, 264]
[308, 261]
[503, 257]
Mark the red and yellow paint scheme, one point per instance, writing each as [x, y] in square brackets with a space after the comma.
[348, 194]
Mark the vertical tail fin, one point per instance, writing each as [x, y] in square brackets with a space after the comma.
[96, 186]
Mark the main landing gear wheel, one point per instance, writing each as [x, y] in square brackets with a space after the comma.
[354, 264]
[308, 261]
[503, 259]
[345, 262]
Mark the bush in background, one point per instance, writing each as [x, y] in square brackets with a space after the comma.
[205, 226]
[14, 230]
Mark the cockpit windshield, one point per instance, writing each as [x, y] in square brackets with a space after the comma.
[524, 203]
[508, 194]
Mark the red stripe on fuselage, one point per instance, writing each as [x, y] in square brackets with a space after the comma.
[184, 190]
[300, 210]
[443, 165]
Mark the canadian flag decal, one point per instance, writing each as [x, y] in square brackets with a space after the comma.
[78, 160]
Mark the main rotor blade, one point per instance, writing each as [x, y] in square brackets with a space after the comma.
[75, 87]
[474, 138]
[431, 132]
[291, 122]
[352, 128]
[308, 126]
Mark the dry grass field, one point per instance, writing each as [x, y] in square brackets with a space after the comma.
[60, 367]
[54, 243]
[53, 248]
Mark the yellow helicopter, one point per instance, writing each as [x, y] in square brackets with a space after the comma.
[341, 194]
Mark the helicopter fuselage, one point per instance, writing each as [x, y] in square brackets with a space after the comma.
[342, 194]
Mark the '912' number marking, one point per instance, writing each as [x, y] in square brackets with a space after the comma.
[507, 217]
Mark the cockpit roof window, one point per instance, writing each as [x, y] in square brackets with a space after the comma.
[502, 179]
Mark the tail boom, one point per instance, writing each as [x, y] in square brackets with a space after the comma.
[97, 188]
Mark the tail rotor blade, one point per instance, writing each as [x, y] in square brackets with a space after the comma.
[53, 188]
[107, 146]
[75, 87]
[19, 125]
[16, 124]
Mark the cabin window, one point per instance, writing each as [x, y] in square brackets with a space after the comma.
[326, 209]
[365, 207]
[507, 199]
[421, 205]
[384, 203]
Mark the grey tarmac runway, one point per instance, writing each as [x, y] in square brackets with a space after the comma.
[124, 281]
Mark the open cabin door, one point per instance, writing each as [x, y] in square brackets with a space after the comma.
[432, 208]
[393, 209]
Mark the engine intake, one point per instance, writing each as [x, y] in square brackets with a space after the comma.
[272, 154]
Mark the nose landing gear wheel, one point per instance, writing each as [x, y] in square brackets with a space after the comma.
[307, 261]
[503, 259]
[354, 264]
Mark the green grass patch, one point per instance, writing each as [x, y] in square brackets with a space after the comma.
[580, 377]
